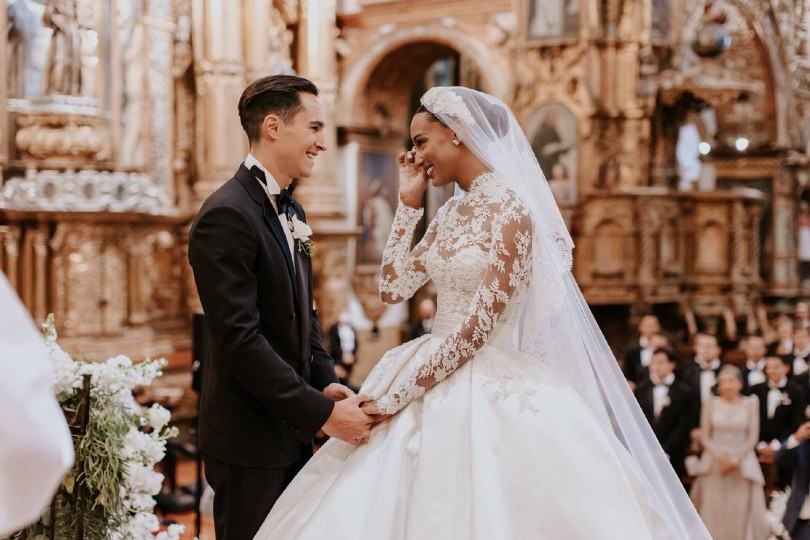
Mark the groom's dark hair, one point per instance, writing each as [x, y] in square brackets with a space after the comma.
[276, 94]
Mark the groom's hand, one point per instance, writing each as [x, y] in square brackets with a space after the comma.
[337, 392]
[348, 423]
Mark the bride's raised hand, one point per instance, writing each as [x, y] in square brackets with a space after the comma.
[412, 178]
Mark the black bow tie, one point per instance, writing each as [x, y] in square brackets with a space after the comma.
[284, 199]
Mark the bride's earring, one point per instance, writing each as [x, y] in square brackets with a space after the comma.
[456, 142]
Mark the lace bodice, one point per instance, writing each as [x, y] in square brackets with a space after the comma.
[478, 253]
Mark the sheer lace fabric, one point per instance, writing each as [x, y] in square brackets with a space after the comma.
[478, 253]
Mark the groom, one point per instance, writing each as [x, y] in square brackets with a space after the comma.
[268, 384]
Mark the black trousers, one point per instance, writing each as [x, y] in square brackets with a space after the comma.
[801, 531]
[243, 496]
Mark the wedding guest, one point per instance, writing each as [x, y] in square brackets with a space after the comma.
[728, 491]
[753, 371]
[343, 347]
[781, 407]
[638, 357]
[784, 338]
[700, 374]
[665, 402]
[800, 357]
[426, 311]
[801, 315]
[795, 456]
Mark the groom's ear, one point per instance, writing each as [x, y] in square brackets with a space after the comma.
[270, 126]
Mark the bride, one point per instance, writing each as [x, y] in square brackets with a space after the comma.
[511, 420]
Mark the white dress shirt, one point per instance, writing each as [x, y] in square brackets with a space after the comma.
[799, 362]
[707, 377]
[346, 335]
[661, 393]
[272, 189]
[775, 397]
[756, 372]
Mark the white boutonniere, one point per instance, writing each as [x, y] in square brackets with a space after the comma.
[665, 402]
[301, 232]
[785, 399]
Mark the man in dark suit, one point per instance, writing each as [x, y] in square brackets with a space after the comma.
[426, 311]
[753, 372]
[343, 347]
[783, 344]
[638, 356]
[268, 384]
[795, 456]
[700, 375]
[666, 404]
[799, 358]
[781, 411]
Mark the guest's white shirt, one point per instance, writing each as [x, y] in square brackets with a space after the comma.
[775, 396]
[756, 372]
[346, 335]
[707, 377]
[661, 393]
[799, 361]
[272, 189]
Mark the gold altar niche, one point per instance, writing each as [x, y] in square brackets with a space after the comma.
[607, 91]
[117, 119]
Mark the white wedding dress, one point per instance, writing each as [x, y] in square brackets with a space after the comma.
[501, 449]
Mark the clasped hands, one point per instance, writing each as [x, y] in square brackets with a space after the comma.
[353, 415]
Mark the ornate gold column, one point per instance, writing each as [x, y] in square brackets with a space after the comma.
[220, 79]
[320, 194]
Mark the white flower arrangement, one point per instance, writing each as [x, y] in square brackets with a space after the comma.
[776, 511]
[785, 399]
[301, 232]
[115, 458]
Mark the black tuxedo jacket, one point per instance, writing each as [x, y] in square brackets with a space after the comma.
[673, 424]
[261, 401]
[786, 419]
[633, 370]
[689, 374]
[803, 381]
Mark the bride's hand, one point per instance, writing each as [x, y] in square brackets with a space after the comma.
[371, 409]
[412, 178]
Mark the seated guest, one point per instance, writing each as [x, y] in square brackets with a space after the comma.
[638, 357]
[426, 311]
[784, 338]
[700, 374]
[781, 406]
[666, 403]
[728, 488]
[800, 357]
[795, 456]
[801, 315]
[754, 370]
[343, 347]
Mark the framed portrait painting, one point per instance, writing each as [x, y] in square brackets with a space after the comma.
[552, 19]
[553, 134]
[377, 202]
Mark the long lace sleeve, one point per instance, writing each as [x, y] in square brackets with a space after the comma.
[509, 260]
[403, 270]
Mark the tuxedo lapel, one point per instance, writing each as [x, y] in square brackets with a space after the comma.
[304, 310]
[257, 193]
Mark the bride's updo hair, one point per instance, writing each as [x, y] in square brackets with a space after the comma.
[495, 114]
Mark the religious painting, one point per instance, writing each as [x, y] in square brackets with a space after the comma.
[553, 134]
[549, 19]
[661, 20]
[377, 191]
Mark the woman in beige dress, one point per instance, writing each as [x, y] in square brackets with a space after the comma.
[728, 491]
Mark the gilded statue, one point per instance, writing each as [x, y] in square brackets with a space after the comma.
[63, 73]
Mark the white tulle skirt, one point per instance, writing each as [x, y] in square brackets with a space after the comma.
[499, 450]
